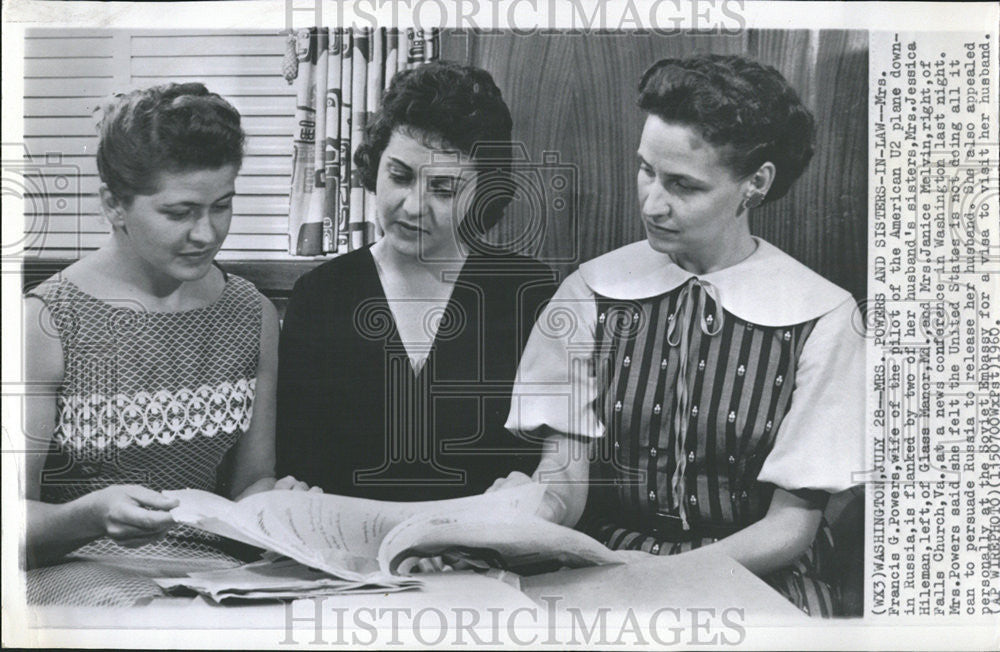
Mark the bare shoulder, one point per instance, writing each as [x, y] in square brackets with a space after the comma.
[89, 273]
[269, 319]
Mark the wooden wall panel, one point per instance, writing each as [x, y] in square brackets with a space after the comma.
[570, 94]
[575, 95]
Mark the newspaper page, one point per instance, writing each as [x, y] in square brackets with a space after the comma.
[338, 534]
[926, 279]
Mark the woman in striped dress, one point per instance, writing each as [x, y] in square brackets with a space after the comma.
[717, 382]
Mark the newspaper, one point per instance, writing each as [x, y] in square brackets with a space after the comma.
[932, 503]
[280, 579]
[323, 544]
[363, 542]
[340, 535]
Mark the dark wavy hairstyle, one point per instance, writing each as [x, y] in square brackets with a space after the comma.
[168, 128]
[461, 107]
[744, 108]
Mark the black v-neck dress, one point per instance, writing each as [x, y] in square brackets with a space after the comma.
[353, 416]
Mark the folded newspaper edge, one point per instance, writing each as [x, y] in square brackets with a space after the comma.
[340, 544]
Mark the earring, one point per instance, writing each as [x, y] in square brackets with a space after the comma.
[753, 199]
[117, 224]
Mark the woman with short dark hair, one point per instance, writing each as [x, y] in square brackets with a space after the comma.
[151, 364]
[725, 392]
[396, 360]
[457, 106]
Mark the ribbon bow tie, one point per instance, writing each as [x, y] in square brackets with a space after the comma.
[695, 294]
[693, 297]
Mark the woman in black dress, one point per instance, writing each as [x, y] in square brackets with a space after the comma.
[396, 361]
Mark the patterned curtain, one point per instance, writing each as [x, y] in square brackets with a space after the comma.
[339, 76]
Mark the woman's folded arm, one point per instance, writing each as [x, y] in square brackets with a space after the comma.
[564, 469]
[777, 540]
[253, 462]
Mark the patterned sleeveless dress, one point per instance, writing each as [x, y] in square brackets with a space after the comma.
[703, 400]
[149, 398]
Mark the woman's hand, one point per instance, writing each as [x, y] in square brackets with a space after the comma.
[513, 479]
[552, 506]
[634, 556]
[564, 470]
[289, 483]
[415, 565]
[439, 564]
[129, 514]
[264, 484]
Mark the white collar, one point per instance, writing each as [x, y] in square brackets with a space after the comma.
[768, 288]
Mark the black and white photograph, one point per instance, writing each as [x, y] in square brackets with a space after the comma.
[567, 324]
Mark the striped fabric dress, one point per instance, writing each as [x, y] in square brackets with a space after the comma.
[703, 400]
[149, 398]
